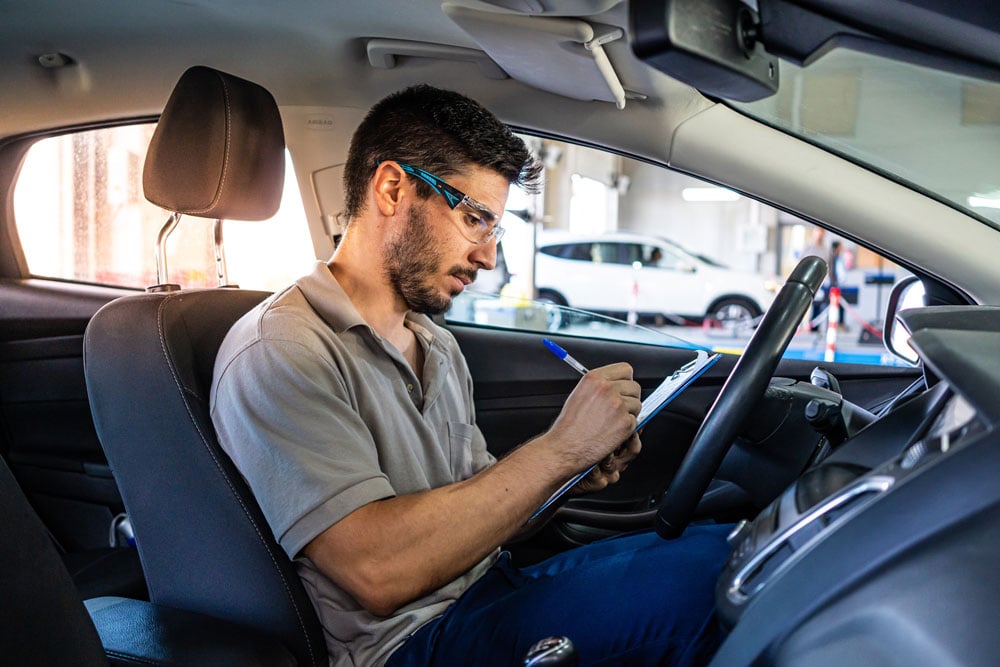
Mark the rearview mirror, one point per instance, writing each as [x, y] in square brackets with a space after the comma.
[907, 293]
[712, 45]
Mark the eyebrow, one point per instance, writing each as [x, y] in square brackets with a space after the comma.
[482, 208]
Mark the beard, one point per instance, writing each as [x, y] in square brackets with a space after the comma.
[412, 260]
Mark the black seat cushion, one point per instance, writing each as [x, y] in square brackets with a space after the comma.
[140, 633]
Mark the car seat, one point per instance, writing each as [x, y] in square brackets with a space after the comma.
[217, 153]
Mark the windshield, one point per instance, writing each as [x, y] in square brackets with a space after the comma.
[936, 130]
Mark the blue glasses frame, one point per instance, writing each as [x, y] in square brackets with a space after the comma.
[481, 224]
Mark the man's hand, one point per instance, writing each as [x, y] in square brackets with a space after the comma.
[599, 416]
[609, 470]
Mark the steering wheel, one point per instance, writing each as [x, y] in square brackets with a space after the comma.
[745, 385]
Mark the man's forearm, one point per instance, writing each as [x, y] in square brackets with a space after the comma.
[393, 551]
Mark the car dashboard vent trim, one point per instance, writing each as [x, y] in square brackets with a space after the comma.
[755, 573]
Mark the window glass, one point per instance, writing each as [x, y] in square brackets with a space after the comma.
[629, 253]
[725, 255]
[579, 251]
[81, 215]
[606, 253]
[665, 258]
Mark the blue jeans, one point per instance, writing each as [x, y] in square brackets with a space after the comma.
[630, 600]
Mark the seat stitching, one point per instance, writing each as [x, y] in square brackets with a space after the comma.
[218, 465]
[132, 658]
[226, 151]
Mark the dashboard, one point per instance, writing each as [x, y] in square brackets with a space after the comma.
[885, 552]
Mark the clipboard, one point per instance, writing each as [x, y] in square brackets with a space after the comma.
[671, 386]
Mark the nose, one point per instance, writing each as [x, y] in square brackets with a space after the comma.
[484, 255]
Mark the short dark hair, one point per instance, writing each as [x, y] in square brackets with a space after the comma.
[439, 131]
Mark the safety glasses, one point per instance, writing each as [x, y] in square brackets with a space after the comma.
[478, 224]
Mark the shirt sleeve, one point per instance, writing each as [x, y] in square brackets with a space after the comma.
[285, 417]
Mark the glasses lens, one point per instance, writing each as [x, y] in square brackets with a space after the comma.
[479, 223]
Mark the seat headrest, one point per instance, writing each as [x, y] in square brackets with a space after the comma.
[218, 150]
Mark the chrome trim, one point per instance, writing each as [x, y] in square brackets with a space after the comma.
[220, 254]
[876, 484]
[161, 247]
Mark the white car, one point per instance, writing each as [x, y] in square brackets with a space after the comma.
[624, 272]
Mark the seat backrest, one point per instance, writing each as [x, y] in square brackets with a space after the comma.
[148, 360]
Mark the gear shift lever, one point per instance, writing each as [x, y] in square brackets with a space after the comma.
[552, 652]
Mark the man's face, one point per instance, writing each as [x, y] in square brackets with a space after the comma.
[429, 261]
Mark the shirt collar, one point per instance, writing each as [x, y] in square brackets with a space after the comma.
[331, 302]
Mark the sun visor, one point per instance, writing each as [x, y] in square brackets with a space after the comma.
[560, 55]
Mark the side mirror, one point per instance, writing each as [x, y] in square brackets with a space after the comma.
[907, 293]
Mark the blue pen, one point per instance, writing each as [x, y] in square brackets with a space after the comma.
[564, 355]
[582, 370]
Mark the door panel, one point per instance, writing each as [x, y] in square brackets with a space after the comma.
[48, 434]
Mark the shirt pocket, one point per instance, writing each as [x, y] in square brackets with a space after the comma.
[460, 449]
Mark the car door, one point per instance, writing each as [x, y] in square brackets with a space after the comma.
[48, 434]
[670, 285]
[577, 272]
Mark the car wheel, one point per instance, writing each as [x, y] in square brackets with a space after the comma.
[555, 317]
[734, 311]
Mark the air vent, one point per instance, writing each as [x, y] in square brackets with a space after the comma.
[753, 575]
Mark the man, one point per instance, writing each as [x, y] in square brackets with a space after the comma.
[350, 414]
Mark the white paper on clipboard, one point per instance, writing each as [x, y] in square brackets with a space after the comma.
[671, 386]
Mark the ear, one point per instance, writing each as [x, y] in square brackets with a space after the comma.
[387, 188]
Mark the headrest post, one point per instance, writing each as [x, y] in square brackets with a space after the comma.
[161, 256]
[220, 255]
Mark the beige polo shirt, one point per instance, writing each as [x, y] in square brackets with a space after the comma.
[322, 415]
